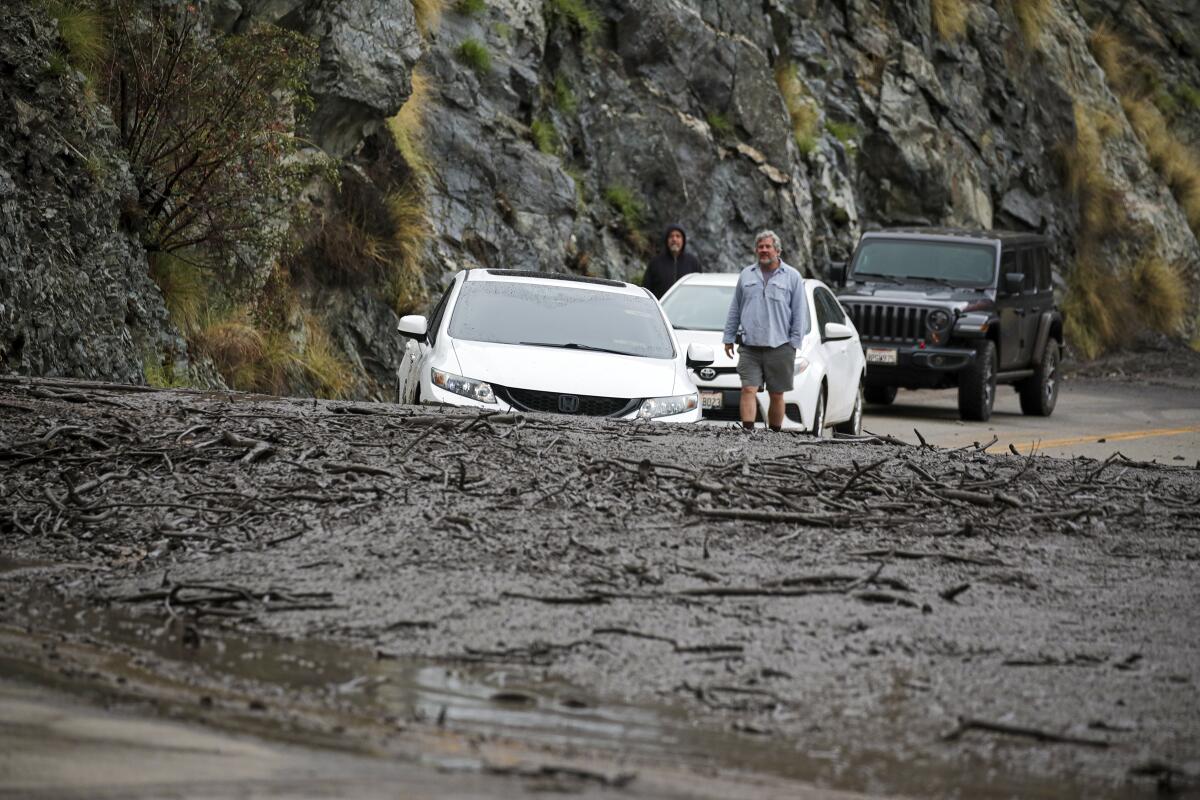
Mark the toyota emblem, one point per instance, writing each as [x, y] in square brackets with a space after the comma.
[707, 374]
[568, 403]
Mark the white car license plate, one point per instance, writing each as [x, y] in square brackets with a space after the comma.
[711, 400]
[881, 355]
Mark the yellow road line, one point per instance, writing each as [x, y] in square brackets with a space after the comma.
[1042, 444]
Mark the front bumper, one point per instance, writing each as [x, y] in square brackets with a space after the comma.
[912, 358]
[433, 395]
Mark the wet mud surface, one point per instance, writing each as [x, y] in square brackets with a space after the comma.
[870, 616]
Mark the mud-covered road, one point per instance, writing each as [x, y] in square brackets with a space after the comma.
[765, 609]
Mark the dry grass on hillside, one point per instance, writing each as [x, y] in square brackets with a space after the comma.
[1032, 16]
[802, 108]
[408, 126]
[428, 14]
[1134, 82]
[949, 18]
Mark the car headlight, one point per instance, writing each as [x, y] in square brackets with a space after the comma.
[666, 406]
[801, 365]
[938, 320]
[467, 387]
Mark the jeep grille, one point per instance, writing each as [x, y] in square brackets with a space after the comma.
[888, 323]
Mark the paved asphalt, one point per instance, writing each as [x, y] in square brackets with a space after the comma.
[1094, 418]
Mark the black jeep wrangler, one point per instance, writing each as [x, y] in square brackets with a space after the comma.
[937, 308]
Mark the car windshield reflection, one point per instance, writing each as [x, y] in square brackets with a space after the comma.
[508, 312]
[698, 308]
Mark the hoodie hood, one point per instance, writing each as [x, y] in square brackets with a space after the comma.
[667, 232]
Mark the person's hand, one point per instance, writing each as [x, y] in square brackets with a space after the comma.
[729, 351]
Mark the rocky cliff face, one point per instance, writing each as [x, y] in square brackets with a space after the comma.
[76, 297]
[563, 135]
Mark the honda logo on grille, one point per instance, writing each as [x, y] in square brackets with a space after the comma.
[568, 403]
[707, 374]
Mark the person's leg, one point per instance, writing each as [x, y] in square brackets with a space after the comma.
[775, 411]
[778, 368]
[749, 407]
[750, 370]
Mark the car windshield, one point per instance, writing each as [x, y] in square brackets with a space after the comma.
[952, 262]
[698, 308]
[511, 312]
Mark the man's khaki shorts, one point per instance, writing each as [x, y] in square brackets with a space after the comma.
[774, 365]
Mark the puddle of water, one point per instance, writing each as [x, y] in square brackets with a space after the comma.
[525, 706]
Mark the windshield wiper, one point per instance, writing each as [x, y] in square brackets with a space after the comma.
[887, 278]
[932, 279]
[577, 346]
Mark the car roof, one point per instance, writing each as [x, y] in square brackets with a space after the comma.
[553, 279]
[1007, 238]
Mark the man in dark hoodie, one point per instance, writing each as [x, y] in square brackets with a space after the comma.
[672, 263]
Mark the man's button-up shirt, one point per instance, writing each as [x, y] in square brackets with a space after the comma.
[769, 312]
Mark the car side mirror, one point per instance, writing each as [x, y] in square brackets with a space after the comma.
[1014, 282]
[836, 272]
[836, 331]
[699, 355]
[414, 326]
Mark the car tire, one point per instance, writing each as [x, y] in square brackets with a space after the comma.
[818, 427]
[1039, 394]
[977, 385]
[880, 395]
[853, 426]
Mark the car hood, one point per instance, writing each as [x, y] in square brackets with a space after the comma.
[550, 369]
[914, 292]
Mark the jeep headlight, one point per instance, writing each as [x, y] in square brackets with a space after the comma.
[666, 406]
[467, 387]
[939, 319]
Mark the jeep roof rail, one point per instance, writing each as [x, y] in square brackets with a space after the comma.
[555, 276]
[1002, 236]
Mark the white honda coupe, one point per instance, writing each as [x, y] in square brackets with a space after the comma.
[829, 371]
[532, 341]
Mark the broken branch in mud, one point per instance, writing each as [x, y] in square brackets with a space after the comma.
[968, 724]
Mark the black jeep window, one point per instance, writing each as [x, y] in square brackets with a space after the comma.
[961, 263]
[1027, 263]
[1044, 280]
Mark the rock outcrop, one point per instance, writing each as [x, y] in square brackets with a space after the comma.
[76, 298]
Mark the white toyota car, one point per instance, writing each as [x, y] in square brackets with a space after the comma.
[829, 371]
[533, 341]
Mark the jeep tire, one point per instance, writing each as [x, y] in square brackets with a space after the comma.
[1040, 393]
[977, 384]
[880, 395]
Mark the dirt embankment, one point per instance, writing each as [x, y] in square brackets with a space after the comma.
[870, 615]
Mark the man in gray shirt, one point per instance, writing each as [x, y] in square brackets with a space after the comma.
[770, 307]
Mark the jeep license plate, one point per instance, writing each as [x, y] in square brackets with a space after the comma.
[881, 355]
[711, 400]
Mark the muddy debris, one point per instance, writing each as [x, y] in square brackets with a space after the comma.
[867, 614]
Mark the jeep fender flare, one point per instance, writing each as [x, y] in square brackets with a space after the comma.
[1049, 326]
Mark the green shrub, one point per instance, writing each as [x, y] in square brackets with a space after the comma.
[470, 8]
[84, 33]
[844, 132]
[722, 128]
[625, 203]
[545, 137]
[577, 13]
[213, 173]
[564, 98]
[162, 375]
[475, 55]
[184, 285]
